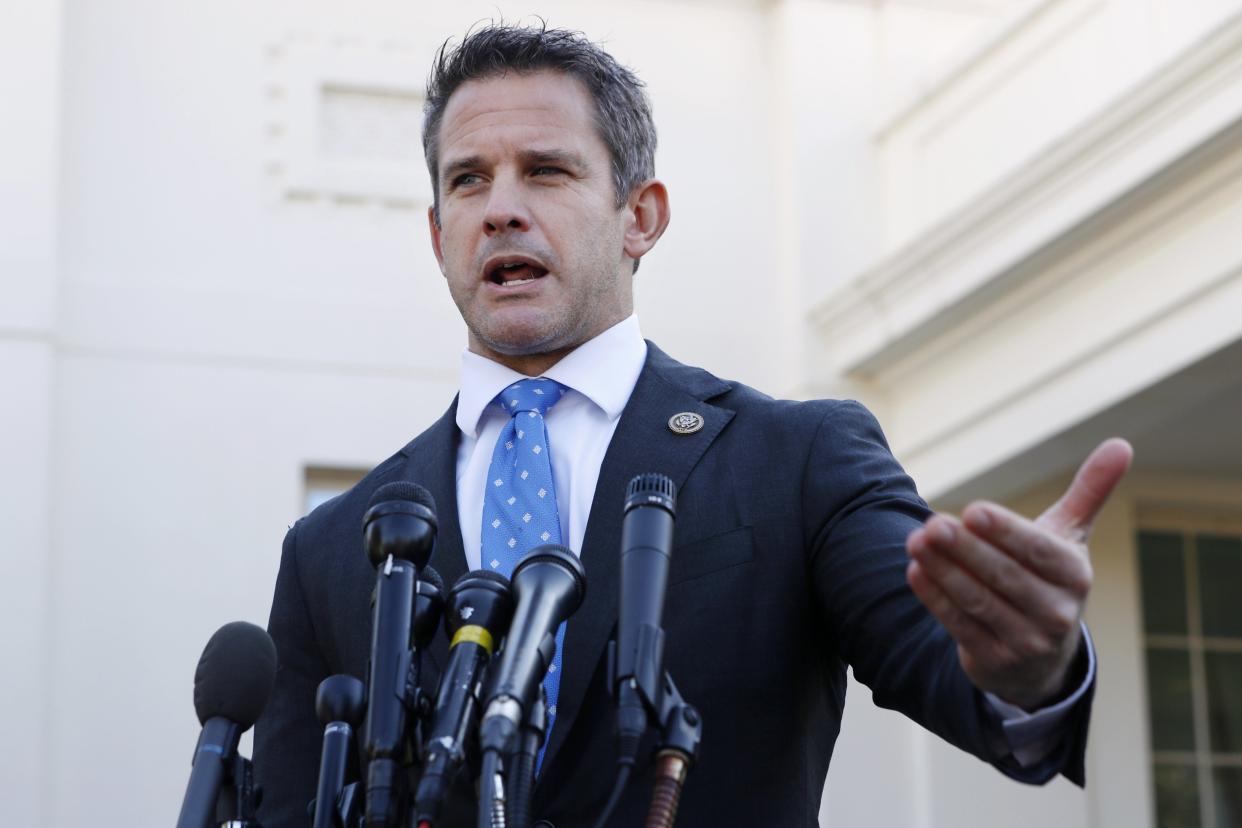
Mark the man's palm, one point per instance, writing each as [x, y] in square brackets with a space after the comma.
[1011, 591]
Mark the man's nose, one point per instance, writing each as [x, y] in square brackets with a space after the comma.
[506, 209]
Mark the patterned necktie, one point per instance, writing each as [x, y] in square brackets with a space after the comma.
[519, 504]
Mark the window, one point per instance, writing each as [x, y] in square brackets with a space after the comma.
[323, 484]
[1192, 619]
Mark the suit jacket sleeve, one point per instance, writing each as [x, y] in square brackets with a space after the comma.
[288, 737]
[860, 507]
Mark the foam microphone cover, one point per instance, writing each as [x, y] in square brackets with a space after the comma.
[430, 576]
[235, 674]
[403, 490]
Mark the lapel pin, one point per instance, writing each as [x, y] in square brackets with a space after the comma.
[687, 422]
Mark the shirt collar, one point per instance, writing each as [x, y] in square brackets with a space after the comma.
[604, 370]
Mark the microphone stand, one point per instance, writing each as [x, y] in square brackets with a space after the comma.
[239, 798]
[491, 792]
[681, 730]
[521, 761]
[347, 812]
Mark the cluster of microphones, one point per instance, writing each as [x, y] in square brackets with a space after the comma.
[488, 715]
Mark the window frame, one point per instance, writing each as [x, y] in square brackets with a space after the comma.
[1189, 524]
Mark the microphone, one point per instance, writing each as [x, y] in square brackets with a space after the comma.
[232, 684]
[398, 529]
[340, 703]
[425, 620]
[646, 548]
[480, 607]
[428, 607]
[549, 585]
[636, 658]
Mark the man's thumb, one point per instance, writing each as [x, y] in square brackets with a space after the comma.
[1098, 475]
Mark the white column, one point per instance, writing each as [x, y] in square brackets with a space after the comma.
[30, 38]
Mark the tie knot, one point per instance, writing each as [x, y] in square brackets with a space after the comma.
[537, 394]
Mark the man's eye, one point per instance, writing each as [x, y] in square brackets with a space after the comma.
[547, 171]
[465, 180]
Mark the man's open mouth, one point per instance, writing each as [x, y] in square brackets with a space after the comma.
[514, 271]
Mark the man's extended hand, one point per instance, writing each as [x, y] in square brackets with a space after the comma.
[1011, 591]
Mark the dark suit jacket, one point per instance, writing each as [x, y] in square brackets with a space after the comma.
[788, 565]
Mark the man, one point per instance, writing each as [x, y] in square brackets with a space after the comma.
[800, 545]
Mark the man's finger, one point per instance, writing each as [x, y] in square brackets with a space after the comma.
[967, 632]
[1056, 559]
[1073, 514]
[1050, 605]
[971, 597]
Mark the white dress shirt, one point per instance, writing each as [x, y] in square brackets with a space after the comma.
[600, 375]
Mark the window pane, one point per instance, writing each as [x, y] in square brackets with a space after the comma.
[323, 484]
[1164, 583]
[1168, 690]
[1224, 686]
[1220, 584]
[1177, 796]
[1228, 784]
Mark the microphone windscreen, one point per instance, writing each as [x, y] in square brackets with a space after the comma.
[403, 490]
[235, 674]
[432, 577]
[651, 489]
[482, 575]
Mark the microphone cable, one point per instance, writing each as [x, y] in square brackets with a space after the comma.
[627, 754]
[625, 765]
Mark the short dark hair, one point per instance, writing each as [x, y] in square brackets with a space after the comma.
[622, 110]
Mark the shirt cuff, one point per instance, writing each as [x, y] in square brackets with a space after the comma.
[1032, 736]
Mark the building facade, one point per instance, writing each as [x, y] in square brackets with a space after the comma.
[1008, 226]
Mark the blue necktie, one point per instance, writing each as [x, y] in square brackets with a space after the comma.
[519, 504]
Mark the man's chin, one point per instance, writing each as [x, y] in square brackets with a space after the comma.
[524, 340]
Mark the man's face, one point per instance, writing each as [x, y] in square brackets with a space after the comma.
[530, 238]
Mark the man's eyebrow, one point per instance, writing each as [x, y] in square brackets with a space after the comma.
[454, 167]
[556, 156]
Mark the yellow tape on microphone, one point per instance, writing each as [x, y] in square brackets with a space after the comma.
[475, 635]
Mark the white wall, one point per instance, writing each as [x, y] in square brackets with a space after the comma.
[29, 122]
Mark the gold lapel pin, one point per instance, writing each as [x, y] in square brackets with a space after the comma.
[687, 422]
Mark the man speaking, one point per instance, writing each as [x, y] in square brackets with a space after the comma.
[801, 546]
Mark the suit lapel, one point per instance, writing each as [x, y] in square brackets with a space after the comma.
[431, 462]
[643, 442]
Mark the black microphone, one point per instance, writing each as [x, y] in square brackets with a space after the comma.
[232, 684]
[548, 585]
[399, 529]
[646, 548]
[428, 607]
[340, 703]
[479, 610]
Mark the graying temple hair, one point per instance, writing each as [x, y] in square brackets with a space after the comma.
[622, 110]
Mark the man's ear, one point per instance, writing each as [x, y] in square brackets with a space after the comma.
[435, 236]
[648, 216]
